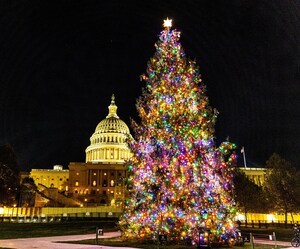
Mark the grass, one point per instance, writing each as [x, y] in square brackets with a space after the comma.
[30, 230]
[282, 234]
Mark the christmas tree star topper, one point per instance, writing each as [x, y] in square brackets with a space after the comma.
[168, 23]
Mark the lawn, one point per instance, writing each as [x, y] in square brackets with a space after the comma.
[29, 230]
[282, 234]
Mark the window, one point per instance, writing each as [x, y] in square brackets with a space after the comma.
[77, 183]
[104, 183]
[94, 183]
[112, 183]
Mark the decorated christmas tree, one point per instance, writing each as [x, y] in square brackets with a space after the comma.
[180, 182]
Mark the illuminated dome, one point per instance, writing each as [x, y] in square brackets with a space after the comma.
[109, 141]
[112, 123]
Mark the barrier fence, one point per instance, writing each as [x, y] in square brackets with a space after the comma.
[58, 218]
[47, 214]
[267, 224]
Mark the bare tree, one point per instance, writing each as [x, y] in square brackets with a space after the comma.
[9, 175]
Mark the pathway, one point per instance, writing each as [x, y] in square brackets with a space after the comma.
[52, 242]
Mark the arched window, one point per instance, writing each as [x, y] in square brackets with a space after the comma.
[112, 183]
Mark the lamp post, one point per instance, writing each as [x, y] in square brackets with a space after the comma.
[160, 222]
[204, 234]
[200, 232]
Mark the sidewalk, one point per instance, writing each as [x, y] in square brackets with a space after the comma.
[279, 244]
[52, 242]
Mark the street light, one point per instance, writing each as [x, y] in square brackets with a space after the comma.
[202, 235]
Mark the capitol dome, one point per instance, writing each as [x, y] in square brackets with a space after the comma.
[109, 141]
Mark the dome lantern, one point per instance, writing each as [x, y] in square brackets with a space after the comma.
[112, 108]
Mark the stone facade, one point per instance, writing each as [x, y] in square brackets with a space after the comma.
[257, 175]
[51, 178]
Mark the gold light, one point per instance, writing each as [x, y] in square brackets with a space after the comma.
[168, 23]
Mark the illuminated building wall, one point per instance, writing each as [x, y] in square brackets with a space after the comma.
[257, 175]
[51, 178]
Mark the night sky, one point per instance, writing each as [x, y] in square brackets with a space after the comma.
[60, 62]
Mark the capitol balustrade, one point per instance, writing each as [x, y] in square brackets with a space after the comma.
[56, 214]
[49, 214]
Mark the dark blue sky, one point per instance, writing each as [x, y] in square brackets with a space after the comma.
[60, 62]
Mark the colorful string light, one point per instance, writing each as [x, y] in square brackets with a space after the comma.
[179, 180]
